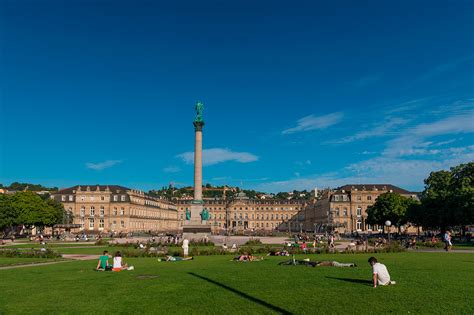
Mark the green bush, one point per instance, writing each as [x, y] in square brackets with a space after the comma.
[253, 242]
[30, 253]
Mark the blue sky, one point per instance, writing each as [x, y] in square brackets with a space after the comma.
[313, 94]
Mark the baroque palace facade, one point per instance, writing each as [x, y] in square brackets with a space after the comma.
[101, 208]
[344, 209]
[244, 214]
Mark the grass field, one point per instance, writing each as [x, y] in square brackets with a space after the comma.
[427, 283]
[23, 261]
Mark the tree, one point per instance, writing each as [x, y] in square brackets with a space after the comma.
[389, 206]
[448, 198]
[33, 211]
[8, 214]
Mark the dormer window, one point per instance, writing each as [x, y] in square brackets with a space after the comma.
[71, 198]
[115, 198]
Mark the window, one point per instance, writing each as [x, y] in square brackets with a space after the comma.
[338, 212]
[101, 211]
[122, 211]
[122, 224]
[287, 216]
[369, 197]
[272, 216]
[122, 198]
[258, 225]
[115, 198]
[181, 216]
[258, 217]
[92, 212]
[83, 198]
[267, 224]
[102, 198]
[336, 198]
[91, 223]
[359, 198]
[82, 223]
[345, 212]
[359, 211]
[358, 225]
[83, 211]
[101, 223]
[115, 211]
[63, 198]
[91, 198]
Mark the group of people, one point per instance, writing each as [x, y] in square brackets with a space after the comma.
[118, 263]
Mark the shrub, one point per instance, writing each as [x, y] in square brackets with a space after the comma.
[30, 253]
[101, 242]
[253, 242]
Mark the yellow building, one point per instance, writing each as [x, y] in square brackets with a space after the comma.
[114, 208]
[244, 214]
[344, 210]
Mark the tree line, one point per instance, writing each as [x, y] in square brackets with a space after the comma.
[447, 201]
[29, 210]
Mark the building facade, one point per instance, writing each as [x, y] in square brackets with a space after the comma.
[241, 214]
[344, 209]
[106, 209]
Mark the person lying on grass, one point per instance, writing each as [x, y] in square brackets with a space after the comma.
[103, 263]
[119, 264]
[380, 275]
[247, 257]
[325, 263]
[176, 258]
[279, 253]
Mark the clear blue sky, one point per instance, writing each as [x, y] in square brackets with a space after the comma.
[297, 95]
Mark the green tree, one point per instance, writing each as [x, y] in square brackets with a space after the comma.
[389, 206]
[8, 214]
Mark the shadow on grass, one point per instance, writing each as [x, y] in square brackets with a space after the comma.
[244, 295]
[359, 281]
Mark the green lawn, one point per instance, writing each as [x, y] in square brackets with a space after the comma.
[427, 283]
[22, 261]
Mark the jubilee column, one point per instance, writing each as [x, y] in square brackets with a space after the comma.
[197, 225]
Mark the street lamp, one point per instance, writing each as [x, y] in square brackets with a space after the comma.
[388, 224]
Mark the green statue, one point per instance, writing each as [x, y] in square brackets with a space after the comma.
[204, 215]
[199, 110]
[188, 214]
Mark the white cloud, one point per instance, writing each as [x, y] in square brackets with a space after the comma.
[416, 137]
[219, 155]
[315, 123]
[102, 165]
[388, 127]
[171, 169]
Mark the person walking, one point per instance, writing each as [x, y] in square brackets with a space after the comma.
[185, 247]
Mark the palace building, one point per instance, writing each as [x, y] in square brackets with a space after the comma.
[101, 208]
[344, 209]
[244, 214]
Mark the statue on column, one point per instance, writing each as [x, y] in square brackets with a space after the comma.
[199, 110]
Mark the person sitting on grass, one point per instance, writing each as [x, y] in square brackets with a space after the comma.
[247, 257]
[103, 263]
[380, 273]
[119, 264]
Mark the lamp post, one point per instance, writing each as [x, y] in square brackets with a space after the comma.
[388, 224]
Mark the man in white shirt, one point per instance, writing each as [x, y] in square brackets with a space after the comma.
[380, 273]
